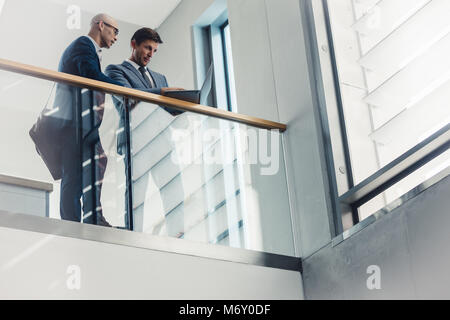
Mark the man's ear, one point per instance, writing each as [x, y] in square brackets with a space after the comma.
[101, 25]
[133, 44]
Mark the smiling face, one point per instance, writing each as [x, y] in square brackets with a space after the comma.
[143, 53]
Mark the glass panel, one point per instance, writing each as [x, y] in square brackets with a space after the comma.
[436, 166]
[394, 76]
[114, 182]
[208, 180]
[194, 177]
[19, 159]
[22, 166]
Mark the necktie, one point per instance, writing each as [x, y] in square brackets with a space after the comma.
[147, 80]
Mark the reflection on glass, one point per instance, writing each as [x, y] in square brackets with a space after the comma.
[192, 179]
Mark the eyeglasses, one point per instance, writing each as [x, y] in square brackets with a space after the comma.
[116, 31]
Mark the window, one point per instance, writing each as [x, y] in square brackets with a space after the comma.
[212, 39]
[229, 67]
[392, 77]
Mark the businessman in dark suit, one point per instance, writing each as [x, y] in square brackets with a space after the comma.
[134, 73]
[83, 58]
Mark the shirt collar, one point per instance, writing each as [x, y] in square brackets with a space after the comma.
[97, 48]
[134, 64]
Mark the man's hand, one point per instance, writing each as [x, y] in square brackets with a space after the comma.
[164, 90]
[132, 104]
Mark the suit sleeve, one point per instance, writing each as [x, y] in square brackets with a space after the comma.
[85, 61]
[170, 110]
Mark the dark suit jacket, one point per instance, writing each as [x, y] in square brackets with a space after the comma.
[80, 59]
[129, 77]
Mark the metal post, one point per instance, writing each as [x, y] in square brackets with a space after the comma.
[93, 161]
[129, 171]
[79, 129]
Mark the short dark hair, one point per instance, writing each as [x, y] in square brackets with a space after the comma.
[146, 34]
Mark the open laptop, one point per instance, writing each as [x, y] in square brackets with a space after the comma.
[195, 96]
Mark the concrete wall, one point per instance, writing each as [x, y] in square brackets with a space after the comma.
[409, 245]
[24, 200]
[108, 271]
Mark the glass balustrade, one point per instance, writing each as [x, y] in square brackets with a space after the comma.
[168, 174]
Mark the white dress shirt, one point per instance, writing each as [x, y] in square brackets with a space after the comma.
[97, 49]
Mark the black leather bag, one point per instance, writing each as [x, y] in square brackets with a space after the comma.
[46, 135]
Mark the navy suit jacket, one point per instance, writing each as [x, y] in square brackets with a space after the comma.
[79, 59]
[128, 76]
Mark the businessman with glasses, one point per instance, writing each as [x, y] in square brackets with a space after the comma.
[83, 58]
[116, 31]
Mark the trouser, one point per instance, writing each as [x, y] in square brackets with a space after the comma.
[82, 178]
[127, 191]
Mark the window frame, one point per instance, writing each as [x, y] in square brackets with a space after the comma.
[226, 64]
[346, 205]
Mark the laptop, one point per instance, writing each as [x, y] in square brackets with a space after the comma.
[195, 96]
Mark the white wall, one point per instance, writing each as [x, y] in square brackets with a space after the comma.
[273, 82]
[120, 272]
[175, 57]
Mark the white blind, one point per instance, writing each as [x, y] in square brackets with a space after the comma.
[393, 61]
[404, 59]
[405, 50]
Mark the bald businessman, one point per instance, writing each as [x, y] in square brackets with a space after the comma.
[83, 58]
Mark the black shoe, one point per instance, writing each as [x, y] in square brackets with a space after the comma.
[101, 221]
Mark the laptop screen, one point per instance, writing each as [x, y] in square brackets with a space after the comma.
[196, 96]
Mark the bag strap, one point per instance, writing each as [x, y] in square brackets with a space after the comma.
[50, 95]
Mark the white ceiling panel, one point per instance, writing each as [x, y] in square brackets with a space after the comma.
[149, 13]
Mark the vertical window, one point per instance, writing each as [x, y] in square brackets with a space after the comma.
[390, 61]
[229, 68]
[214, 47]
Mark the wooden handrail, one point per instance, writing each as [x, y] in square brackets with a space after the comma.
[69, 79]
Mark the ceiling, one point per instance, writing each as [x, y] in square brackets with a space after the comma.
[149, 13]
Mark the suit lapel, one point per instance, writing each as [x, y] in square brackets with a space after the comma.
[127, 65]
